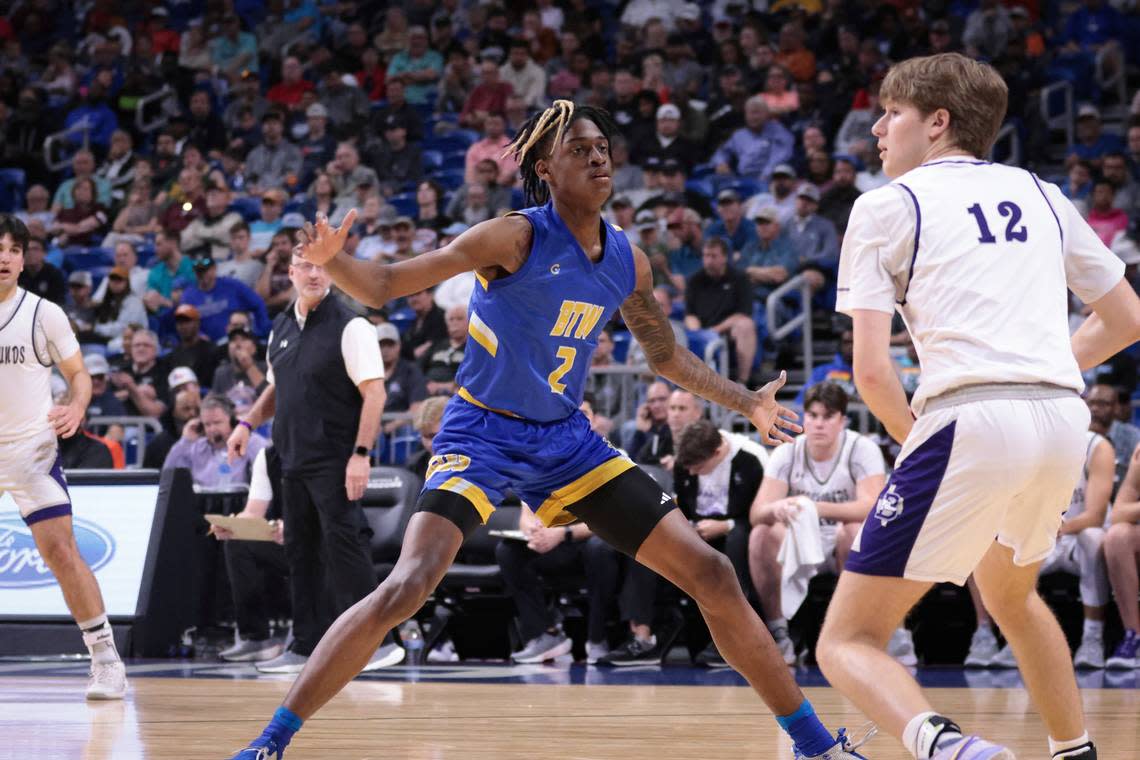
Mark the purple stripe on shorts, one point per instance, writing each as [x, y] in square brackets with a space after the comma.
[57, 472]
[47, 513]
[891, 530]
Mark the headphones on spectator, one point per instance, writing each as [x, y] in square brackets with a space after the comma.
[225, 404]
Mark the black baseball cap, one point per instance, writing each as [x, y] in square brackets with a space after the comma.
[203, 263]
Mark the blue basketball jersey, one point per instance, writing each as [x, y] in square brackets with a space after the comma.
[533, 332]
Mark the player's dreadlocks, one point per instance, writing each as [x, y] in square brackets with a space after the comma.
[538, 136]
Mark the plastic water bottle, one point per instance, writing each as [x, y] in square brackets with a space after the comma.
[413, 637]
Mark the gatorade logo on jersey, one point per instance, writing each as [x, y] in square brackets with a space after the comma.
[889, 506]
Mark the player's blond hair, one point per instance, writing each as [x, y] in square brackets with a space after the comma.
[971, 91]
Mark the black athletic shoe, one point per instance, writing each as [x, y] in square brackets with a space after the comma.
[1084, 752]
[710, 657]
[633, 652]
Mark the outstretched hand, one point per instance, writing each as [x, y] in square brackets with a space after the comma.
[772, 419]
[320, 242]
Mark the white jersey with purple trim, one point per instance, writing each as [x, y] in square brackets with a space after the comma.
[1077, 503]
[976, 257]
[34, 334]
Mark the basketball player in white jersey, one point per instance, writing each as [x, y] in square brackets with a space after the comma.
[839, 470]
[976, 257]
[1078, 551]
[34, 335]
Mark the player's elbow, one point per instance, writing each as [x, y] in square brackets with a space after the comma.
[872, 377]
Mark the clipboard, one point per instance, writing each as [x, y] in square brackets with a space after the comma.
[243, 528]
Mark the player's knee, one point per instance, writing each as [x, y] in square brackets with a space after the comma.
[402, 594]
[60, 553]
[715, 578]
[1118, 541]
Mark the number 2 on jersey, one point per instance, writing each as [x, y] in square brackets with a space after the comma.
[567, 355]
[1013, 232]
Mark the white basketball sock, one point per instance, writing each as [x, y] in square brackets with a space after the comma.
[1093, 628]
[776, 624]
[100, 639]
[927, 732]
[1057, 747]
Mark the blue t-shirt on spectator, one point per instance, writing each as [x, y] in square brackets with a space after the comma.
[1090, 27]
[229, 295]
[1104, 145]
[739, 240]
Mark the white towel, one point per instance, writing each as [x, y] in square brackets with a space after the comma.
[801, 554]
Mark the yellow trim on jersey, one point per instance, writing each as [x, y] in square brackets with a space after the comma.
[472, 493]
[616, 228]
[465, 394]
[552, 512]
[483, 334]
[482, 280]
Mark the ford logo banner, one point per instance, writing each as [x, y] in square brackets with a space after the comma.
[21, 565]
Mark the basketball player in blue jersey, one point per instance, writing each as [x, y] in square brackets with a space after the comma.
[550, 277]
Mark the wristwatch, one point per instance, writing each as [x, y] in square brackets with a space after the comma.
[569, 534]
[360, 451]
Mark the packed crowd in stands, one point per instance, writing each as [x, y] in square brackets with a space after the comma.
[193, 138]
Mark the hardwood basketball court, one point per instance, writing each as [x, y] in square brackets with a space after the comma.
[477, 712]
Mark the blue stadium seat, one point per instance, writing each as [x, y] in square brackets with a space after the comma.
[405, 204]
[145, 253]
[459, 139]
[456, 159]
[748, 187]
[431, 160]
[701, 171]
[451, 179]
[12, 183]
[702, 186]
[77, 258]
[402, 319]
[622, 340]
[249, 208]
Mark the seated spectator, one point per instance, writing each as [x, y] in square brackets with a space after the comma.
[84, 450]
[835, 472]
[489, 98]
[719, 298]
[346, 104]
[206, 129]
[209, 234]
[170, 267]
[570, 550]
[1102, 403]
[814, 238]
[258, 570]
[399, 106]
[779, 93]
[242, 367]
[141, 382]
[41, 277]
[119, 168]
[36, 207]
[732, 226]
[262, 229]
[1078, 185]
[404, 381]
[835, 205]
[667, 142]
[184, 407]
[492, 146]
[1122, 554]
[442, 360]
[233, 51]
[120, 307]
[321, 198]
[672, 189]
[275, 162]
[429, 198]
[399, 161]
[476, 205]
[348, 174]
[758, 148]
[716, 481]
[202, 447]
[82, 167]
[839, 371]
[241, 264]
[274, 286]
[650, 240]
[372, 75]
[193, 350]
[217, 297]
[1103, 216]
[402, 245]
[526, 78]
[1092, 143]
[770, 259]
[293, 85]
[1127, 196]
[627, 177]
[104, 403]
[684, 225]
[85, 222]
[425, 421]
[856, 126]
[318, 147]
[185, 201]
[496, 199]
[137, 219]
[416, 66]
[819, 170]
[80, 308]
[651, 425]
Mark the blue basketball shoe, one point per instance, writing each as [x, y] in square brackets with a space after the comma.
[843, 749]
[271, 751]
[974, 748]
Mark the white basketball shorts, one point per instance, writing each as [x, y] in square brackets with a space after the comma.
[984, 463]
[32, 473]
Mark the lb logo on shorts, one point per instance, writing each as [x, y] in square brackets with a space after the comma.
[889, 506]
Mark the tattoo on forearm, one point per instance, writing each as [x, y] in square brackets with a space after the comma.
[652, 329]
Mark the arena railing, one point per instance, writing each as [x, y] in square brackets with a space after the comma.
[65, 136]
[801, 321]
[139, 426]
[159, 121]
[1012, 152]
[1053, 118]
